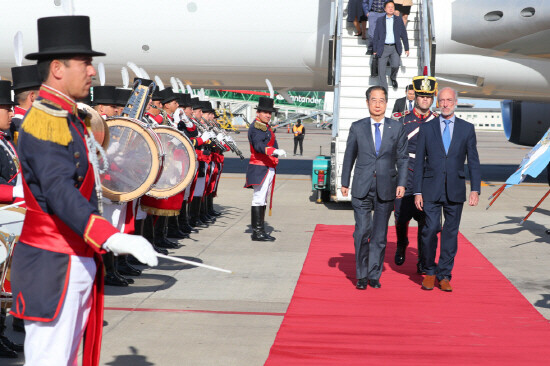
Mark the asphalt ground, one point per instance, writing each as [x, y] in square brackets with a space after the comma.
[176, 314]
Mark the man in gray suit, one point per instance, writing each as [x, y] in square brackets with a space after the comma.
[378, 147]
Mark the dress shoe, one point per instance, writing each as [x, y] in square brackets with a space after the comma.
[18, 325]
[420, 268]
[7, 352]
[374, 283]
[165, 243]
[14, 346]
[547, 232]
[258, 235]
[400, 255]
[445, 285]
[361, 284]
[158, 250]
[394, 84]
[113, 280]
[428, 282]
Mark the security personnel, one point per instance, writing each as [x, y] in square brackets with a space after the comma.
[11, 190]
[299, 133]
[425, 88]
[56, 285]
[264, 153]
[26, 82]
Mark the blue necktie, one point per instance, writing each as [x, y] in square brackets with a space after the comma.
[447, 136]
[377, 137]
[410, 105]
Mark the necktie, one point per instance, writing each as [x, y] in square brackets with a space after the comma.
[447, 136]
[377, 137]
[410, 105]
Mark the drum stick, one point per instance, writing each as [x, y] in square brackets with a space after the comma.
[175, 259]
[12, 205]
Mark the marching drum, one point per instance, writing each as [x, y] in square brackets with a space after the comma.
[99, 127]
[135, 158]
[179, 167]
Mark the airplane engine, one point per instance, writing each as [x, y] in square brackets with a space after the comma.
[525, 122]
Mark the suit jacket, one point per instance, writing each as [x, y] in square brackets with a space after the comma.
[401, 105]
[389, 168]
[436, 173]
[399, 32]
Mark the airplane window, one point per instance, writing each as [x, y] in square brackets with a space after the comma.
[493, 16]
[528, 12]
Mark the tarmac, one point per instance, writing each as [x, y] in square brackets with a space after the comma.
[176, 314]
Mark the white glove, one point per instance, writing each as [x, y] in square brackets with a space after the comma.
[188, 123]
[220, 137]
[230, 139]
[279, 152]
[135, 245]
[207, 136]
[18, 191]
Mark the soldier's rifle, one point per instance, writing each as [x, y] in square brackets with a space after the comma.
[217, 130]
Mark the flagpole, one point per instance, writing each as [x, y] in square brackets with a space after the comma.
[495, 195]
[534, 208]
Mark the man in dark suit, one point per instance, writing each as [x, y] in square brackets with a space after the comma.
[378, 147]
[406, 103]
[442, 148]
[388, 34]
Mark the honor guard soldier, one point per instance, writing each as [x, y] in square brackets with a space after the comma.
[26, 82]
[11, 190]
[152, 116]
[56, 285]
[202, 148]
[260, 175]
[425, 88]
[104, 101]
[121, 99]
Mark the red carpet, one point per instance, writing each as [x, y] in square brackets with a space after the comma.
[484, 321]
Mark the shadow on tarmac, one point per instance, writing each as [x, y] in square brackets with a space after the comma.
[147, 283]
[130, 360]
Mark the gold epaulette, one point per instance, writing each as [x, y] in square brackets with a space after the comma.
[45, 122]
[260, 126]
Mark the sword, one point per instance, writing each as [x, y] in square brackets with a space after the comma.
[192, 263]
[12, 205]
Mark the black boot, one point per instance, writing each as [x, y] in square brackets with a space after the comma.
[149, 234]
[111, 277]
[7, 347]
[160, 234]
[258, 233]
[262, 218]
[204, 216]
[420, 264]
[194, 213]
[402, 230]
[18, 325]
[126, 268]
[210, 206]
[183, 220]
[174, 230]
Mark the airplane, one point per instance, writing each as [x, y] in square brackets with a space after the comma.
[492, 49]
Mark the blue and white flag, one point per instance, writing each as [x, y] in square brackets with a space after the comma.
[533, 163]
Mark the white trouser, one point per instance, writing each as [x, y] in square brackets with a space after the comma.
[199, 187]
[56, 343]
[187, 192]
[259, 198]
